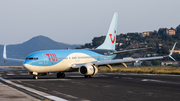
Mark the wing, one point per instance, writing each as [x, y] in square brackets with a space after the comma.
[11, 59]
[108, 63]
[124, 61]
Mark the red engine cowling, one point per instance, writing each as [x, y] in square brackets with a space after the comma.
[88, 69]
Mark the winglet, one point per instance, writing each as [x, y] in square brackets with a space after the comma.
[11, 59]
[4, 52]
[170, 54]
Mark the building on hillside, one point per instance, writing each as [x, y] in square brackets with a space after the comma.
[170, 31]
[119, 44]
[151, 54]
[166, 63]
[137, 55]
[146, 34]
[175, 51]
[134, 46]
[160, 45]
[137, 63]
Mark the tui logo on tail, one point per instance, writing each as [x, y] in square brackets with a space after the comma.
[112, 40]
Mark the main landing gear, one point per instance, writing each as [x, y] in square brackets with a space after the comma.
[61, 74]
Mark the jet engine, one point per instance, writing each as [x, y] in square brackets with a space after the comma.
[88, 69]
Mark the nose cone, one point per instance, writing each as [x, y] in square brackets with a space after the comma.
[28, 67]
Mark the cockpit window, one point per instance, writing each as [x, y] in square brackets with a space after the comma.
[32, 58]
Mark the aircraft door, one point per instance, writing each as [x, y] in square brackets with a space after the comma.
[45, 59]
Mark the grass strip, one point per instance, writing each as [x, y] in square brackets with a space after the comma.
[153, 70]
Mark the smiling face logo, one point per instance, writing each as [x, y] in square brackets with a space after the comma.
[112, 40]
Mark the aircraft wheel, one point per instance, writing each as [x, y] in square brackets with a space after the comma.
[63, 75]
[90, 76]
[58, 75]
[86, 76]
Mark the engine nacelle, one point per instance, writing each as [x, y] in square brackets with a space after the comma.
[88, 69]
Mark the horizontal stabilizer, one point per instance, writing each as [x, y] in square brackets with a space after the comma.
[170, 54]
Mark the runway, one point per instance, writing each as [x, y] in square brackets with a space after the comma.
[102, 87]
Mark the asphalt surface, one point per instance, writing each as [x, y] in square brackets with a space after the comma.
[102, 87]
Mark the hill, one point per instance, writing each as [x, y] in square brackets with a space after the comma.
[34, 44]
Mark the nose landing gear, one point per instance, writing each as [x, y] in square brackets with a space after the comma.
[35, 77]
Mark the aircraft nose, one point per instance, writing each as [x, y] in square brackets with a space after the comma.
[27, 62]
[27, 66]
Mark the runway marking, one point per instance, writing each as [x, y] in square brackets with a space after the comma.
[129, 91]
[107, 86]
[152, 80]
[42, 80]
[70, 96]
[150, 94]
[56, 98]
[34, 91]
[10, 74]
[43, 88]
[28, 84]
[66, 95]
[127, 78]
[19, 81]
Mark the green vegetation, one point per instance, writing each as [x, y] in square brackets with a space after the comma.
[152, 69]
[12, 67]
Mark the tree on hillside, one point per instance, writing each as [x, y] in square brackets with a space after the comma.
[164, 50]
[161, 30]
[167, 37]
[178, 30]
[156, 62]
[97, 41]
[146, 63]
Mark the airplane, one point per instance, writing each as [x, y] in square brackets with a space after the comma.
[84, 61]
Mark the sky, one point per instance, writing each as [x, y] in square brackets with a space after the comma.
[79, 21]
